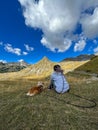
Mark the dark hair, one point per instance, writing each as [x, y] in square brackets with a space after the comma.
[55, 67]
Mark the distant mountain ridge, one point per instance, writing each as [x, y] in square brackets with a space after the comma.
[80, 58]
[42, 69]
[12, 66]
[38, 67]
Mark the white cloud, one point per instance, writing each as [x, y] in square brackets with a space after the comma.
[20, 60]
[9, 48]
[80, 45]
[3, 61]
[58, 20]
[25, 53]
[96, 50]
[61, 47]
[90, 24]
[28, 48]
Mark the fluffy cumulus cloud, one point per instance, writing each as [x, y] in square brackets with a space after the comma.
[65, 43]
[80, 45]
[96, 50]
[90, 24]
[28, 48]
[9, 48]
[25, 53]
[58, 20]
[17, 51]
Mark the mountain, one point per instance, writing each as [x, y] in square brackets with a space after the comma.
[80, 58]
[12, 66]
[91, 66]
[42, 69]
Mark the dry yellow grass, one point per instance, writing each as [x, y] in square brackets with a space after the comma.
[41, 69]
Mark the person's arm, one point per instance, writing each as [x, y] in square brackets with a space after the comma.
[51, 83]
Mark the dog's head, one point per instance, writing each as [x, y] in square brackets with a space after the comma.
[40, 83]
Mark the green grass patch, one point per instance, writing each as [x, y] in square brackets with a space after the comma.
[90, 67]
[48, 111]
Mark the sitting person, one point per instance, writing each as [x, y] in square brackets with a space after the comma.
[58, 80]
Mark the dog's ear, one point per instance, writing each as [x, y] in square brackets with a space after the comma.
[39, 83]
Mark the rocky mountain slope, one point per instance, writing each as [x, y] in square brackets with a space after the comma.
[12, 66]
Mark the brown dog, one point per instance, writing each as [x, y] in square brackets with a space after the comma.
[36, 89]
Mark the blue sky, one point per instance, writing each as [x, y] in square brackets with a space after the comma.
[57, 29]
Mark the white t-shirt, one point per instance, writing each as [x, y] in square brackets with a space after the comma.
[60, 83]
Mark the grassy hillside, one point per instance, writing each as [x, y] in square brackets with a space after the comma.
[41, 69]
[48, 110]
[91, 66]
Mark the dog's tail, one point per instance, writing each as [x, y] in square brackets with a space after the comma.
[28, 94]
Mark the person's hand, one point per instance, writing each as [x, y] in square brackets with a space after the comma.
[62, 71]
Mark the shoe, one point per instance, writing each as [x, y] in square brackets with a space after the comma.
[68, 90]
